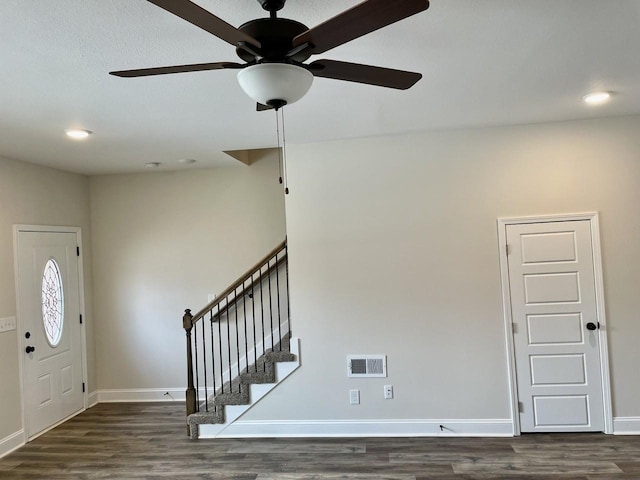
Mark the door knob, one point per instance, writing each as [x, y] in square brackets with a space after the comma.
[592, 326]
[30, 349]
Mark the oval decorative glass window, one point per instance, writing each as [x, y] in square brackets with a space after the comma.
[52, 303]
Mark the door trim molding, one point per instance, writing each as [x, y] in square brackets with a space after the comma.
[592, 217]
[18, 228]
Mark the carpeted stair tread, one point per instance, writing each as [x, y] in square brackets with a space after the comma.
[234, 394]
[214, 415]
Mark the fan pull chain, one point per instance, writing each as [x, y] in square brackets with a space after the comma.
[284, 157]
[279, 149]
[282, 151]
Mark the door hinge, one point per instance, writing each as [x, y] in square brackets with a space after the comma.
[83, 387]
[521, 407]
[507, 249]
[514, 327]
[78, 251]
[80, 319]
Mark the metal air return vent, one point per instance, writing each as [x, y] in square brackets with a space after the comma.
[367, 365]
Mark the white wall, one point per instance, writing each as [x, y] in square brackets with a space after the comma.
[31, 194]
[393, 250]
[162, 243]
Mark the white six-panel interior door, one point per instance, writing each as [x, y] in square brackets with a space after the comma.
[553, 288]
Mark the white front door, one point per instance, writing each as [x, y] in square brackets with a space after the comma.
[50, 330]
[555, 326]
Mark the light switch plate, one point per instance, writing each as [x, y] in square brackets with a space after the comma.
[7, 324]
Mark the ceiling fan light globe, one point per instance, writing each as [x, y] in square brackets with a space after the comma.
[269, 82]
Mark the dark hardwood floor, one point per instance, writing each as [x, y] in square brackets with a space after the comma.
[148, 441]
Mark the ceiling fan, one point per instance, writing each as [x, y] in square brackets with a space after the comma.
[274, 49]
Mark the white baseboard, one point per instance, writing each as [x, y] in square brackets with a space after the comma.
[370, 428]
[626, 425]
[92, 399]
[141, 395]
[11, 443]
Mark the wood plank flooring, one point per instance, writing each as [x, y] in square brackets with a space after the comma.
[148, 441]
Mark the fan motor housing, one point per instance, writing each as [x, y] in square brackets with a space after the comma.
[276, 37]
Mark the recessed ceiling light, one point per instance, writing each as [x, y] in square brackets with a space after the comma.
[597, 98]
[152, 164]
[78, 134]
[187, 161]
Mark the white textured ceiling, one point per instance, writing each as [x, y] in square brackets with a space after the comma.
[488, 62]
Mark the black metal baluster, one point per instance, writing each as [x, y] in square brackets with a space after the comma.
[278, 299]
[195, 349]
[213, 354]
[246, 339]
[253, 321]
[204, 366]
[229, 343]
[235, 307]
[264, 339]
[286, 269]
[220, 349]
[270, 303]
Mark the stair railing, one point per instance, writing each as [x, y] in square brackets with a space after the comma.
[230, 335]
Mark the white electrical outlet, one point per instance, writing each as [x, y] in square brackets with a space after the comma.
[7, 324]
[388, 391]
[354, 397]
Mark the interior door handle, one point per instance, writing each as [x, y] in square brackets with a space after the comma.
[593, 326]
[30, 349]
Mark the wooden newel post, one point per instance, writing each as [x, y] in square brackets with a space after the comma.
[187, 323]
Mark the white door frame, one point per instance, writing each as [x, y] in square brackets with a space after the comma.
[48, 229]
[508, 320]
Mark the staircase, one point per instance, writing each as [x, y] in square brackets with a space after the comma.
[239, 347]
[228, 407]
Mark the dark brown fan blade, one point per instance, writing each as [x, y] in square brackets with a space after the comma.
[207, 21]
[196, 67]
[364, 18]
[355, 72]
[261, 108]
